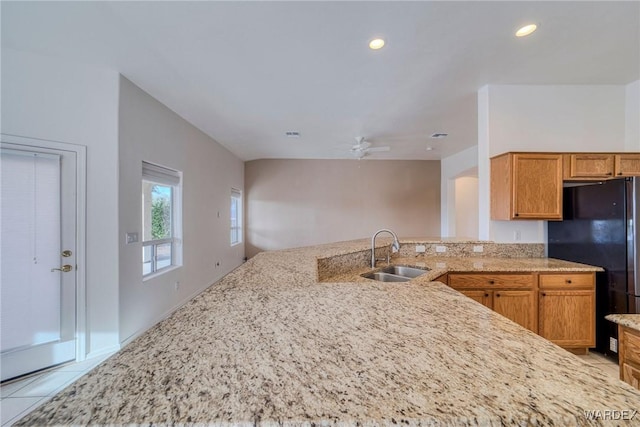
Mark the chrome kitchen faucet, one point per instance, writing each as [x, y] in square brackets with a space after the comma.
[395, 246]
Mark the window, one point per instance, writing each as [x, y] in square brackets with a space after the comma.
[236, 217]
[160, 218]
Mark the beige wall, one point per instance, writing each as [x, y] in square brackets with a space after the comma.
[466, 207]
[291, 203]
[149, 131]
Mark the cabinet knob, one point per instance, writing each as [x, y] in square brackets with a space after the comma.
[609, 173]
[491, 282]
[544, 295]
[568, 280]
[498, 295]
[619, 173]
[486, 295]
[516, 214]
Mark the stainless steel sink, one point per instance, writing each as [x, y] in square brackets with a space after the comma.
[404, 270]
[385, 277]
[395, 273]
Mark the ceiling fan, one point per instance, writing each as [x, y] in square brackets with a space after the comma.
[362, 148]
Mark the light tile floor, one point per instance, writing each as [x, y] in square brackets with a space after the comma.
[23, 395]
[606, 365]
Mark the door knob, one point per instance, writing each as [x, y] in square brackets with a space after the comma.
[65, 268]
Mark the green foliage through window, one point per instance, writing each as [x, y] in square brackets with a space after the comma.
[160, 213]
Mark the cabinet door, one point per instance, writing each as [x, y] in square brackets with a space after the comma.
[627, 165]
[567, 318]
[630, 375]
[483, 297]
[629, 346]
[519, 306]
[589, 165]
[537, 186]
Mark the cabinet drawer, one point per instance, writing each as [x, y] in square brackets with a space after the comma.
[567, 280]
[631, 347]
[490, 280]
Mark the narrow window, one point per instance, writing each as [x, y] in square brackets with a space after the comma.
[236, 217]
[160, 218]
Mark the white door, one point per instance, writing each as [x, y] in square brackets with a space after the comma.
[38, 258]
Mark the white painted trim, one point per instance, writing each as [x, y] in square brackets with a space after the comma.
[81, 221]
[103, 351]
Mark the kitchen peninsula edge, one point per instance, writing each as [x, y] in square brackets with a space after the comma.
[271, 344]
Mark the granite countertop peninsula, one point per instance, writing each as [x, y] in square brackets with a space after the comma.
[269, 344]
[629, 320]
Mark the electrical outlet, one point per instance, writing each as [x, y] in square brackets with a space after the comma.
[421, 249]
[613, 344]
[176, 285]
[478, 248]
[517, 235]
[131, 238]
[441, 249]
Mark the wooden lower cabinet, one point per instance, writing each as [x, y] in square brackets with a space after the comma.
[567, 309]
[629, 353]
[567, 318]
[558, 306]
[519, 306]
[483, 297]
[511, 295]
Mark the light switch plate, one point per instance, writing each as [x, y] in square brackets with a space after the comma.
[613, 344]
[131, 238]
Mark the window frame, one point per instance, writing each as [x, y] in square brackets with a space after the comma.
[236, 195]
[160, 175]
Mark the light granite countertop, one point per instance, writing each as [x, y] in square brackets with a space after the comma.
[270, 345]
[629, 320]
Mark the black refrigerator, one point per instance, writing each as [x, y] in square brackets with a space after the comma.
[599, 228]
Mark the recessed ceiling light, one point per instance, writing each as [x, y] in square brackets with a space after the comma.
[429, 148]
[376, 44]
[292, 134]
[526, 30]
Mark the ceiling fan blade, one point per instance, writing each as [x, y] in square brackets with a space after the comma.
[361, 146]
[379, 149]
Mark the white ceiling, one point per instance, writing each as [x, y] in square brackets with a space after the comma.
[247, 72]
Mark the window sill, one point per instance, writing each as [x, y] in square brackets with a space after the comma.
[160, 272]
[236, 244]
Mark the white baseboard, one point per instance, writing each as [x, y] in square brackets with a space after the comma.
[164, 315]
[103, 351]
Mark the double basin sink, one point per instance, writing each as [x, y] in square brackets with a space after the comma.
[395, 273]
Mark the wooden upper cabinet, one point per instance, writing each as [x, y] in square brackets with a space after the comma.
[526, 186]
[627, 165]
[585, 166]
